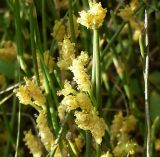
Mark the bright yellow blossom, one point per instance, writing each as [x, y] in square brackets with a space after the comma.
[75, 26]
[90, 121]
[24, 95]
[67, 89]
[30, 93]
[58, 31]
[80, 75]
[84, 101]
[70, 103]
[45, 133]
[67, 54]
[94, 17]
[127, 15]
[33, 144]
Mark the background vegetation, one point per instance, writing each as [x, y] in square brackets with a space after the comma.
[122, 94]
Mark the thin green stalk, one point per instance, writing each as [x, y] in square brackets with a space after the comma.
[85, 4]
[19, 36]
[88, 144]
[60, 133]
[49, 96]
[130, 40]
[10, 4]
[19, 117]
[33, 46]
[45, 70]
[146, 83]
[19, 129]
[98, 150]
[93, 72]
[154, 130]
[112, 39]
[45, 74]
[52, 9]
[96, 54]
[37, 33]
[124, 77]
[84, 36]
[13, 117]
[71, 23]
[44, 30]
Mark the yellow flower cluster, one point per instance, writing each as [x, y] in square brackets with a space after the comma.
[61, 30]
[75, 23]
[120, 135]
[80, 75]
[44, 131]
[90, 121]
[127, 15]
[87, 118]
[58, 31]
[67, 54]
[8, 50]
[46, 136]
[126, 148]
[30, 93]
[67, 89]
[72, 102]
[79, 143]
[94, 17]
[33, 144]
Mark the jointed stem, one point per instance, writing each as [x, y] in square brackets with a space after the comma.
[146, 73]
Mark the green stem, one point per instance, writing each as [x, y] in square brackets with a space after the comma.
[112, 39]
[88, 144]
[60, 133]
[33, 46]
[44, 31]
[93, 72]
[146, 74]
[19, 36]
[19, 129]
[71, 23]
[154, 129]
[46, 76]
[52, 9]
[96, 54]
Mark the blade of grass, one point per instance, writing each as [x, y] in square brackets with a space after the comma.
[19, 42]
[71, 23]
[33, 46]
